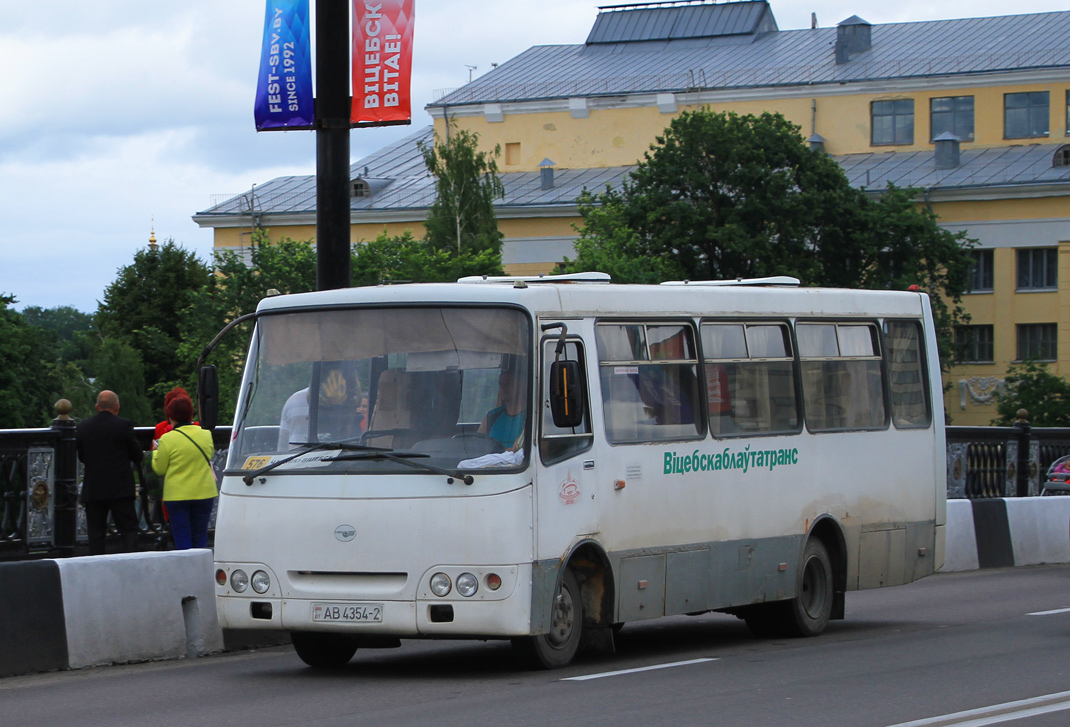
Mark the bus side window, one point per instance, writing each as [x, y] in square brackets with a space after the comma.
[555, 443]
[750, 379]
[650, 385]
[906, 374]
[841, 373]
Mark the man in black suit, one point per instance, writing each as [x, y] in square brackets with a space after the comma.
[109, 450]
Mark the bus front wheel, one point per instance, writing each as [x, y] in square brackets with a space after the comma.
[324, 651]
[557, 648]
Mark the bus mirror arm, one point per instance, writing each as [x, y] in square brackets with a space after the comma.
[560, 339]
[207, 378]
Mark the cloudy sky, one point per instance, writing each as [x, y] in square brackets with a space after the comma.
[122, 115]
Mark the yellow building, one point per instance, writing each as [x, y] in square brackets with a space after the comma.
[973, 111]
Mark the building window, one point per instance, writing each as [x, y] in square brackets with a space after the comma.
[1025, 115]
[1038, 341]
[981, 271]
[1068, 113]
[974, 344]
[952, 114]
[1038, 268]
[892, 122]
[512, 153]
[1062, 156]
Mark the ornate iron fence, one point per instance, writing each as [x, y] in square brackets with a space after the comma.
[40, 479]
[39, 483]
[985, 462]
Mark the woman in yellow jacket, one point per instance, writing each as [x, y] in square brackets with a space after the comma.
[183, 459]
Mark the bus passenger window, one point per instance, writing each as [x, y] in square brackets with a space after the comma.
[906, 374]
[750, 379]
[841, 374]
[649, 378]
[555, 443]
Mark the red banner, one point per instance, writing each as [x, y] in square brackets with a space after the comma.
[382, 61]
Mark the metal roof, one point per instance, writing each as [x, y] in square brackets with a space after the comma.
[644, 61]
[1021, 165]
[412, 189]
[618, 25]
[402, 182]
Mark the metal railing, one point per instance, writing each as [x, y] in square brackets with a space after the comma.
[987, 462]
[40, 479]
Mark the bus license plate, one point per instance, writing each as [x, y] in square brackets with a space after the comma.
[348, 612]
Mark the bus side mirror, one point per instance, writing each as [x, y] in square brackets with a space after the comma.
[208, 396]
[566, 394]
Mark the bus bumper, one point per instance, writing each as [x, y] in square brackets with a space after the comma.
[424, 616]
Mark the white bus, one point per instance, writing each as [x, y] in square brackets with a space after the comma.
[540, 459]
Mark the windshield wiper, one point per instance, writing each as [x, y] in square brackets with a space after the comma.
[406, 459]
[307, 447]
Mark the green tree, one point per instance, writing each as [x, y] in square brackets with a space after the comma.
[236, 288]
[403, 259]
[607, 244]
[71, 327]
[462, 218]
[720, 196]
[143, 308]
[67, 333]
[119, 368]
[1032, 387]
[29, 378]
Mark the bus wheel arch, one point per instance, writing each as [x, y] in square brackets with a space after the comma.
[557, 647]
[589, 562]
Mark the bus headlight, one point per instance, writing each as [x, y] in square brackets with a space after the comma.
[440, 584]
[239, 581]
[467, 584]
[261, 582]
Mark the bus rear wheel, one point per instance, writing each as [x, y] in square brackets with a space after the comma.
[808, 613]
[557, 648]
[324, 651]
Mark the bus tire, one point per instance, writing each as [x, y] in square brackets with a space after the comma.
[324, 651]
[808, 613]
[762, 620]
[557, 648]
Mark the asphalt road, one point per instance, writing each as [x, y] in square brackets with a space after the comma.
[960, 649]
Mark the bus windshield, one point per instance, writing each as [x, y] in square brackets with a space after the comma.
[398, 387]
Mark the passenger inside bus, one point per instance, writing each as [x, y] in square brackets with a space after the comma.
[505, 422]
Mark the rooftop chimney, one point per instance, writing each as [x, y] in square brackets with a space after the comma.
[947, 150]
[853, 36]
[546, 169]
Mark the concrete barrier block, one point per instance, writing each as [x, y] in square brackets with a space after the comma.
[139, 607]
[1040, 529]
[960, 552]
[32, 635]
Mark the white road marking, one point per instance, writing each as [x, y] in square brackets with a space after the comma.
[634, 671]
[1049, 613]
[997, 713]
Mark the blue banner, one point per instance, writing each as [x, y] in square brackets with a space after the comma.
[284, 89]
